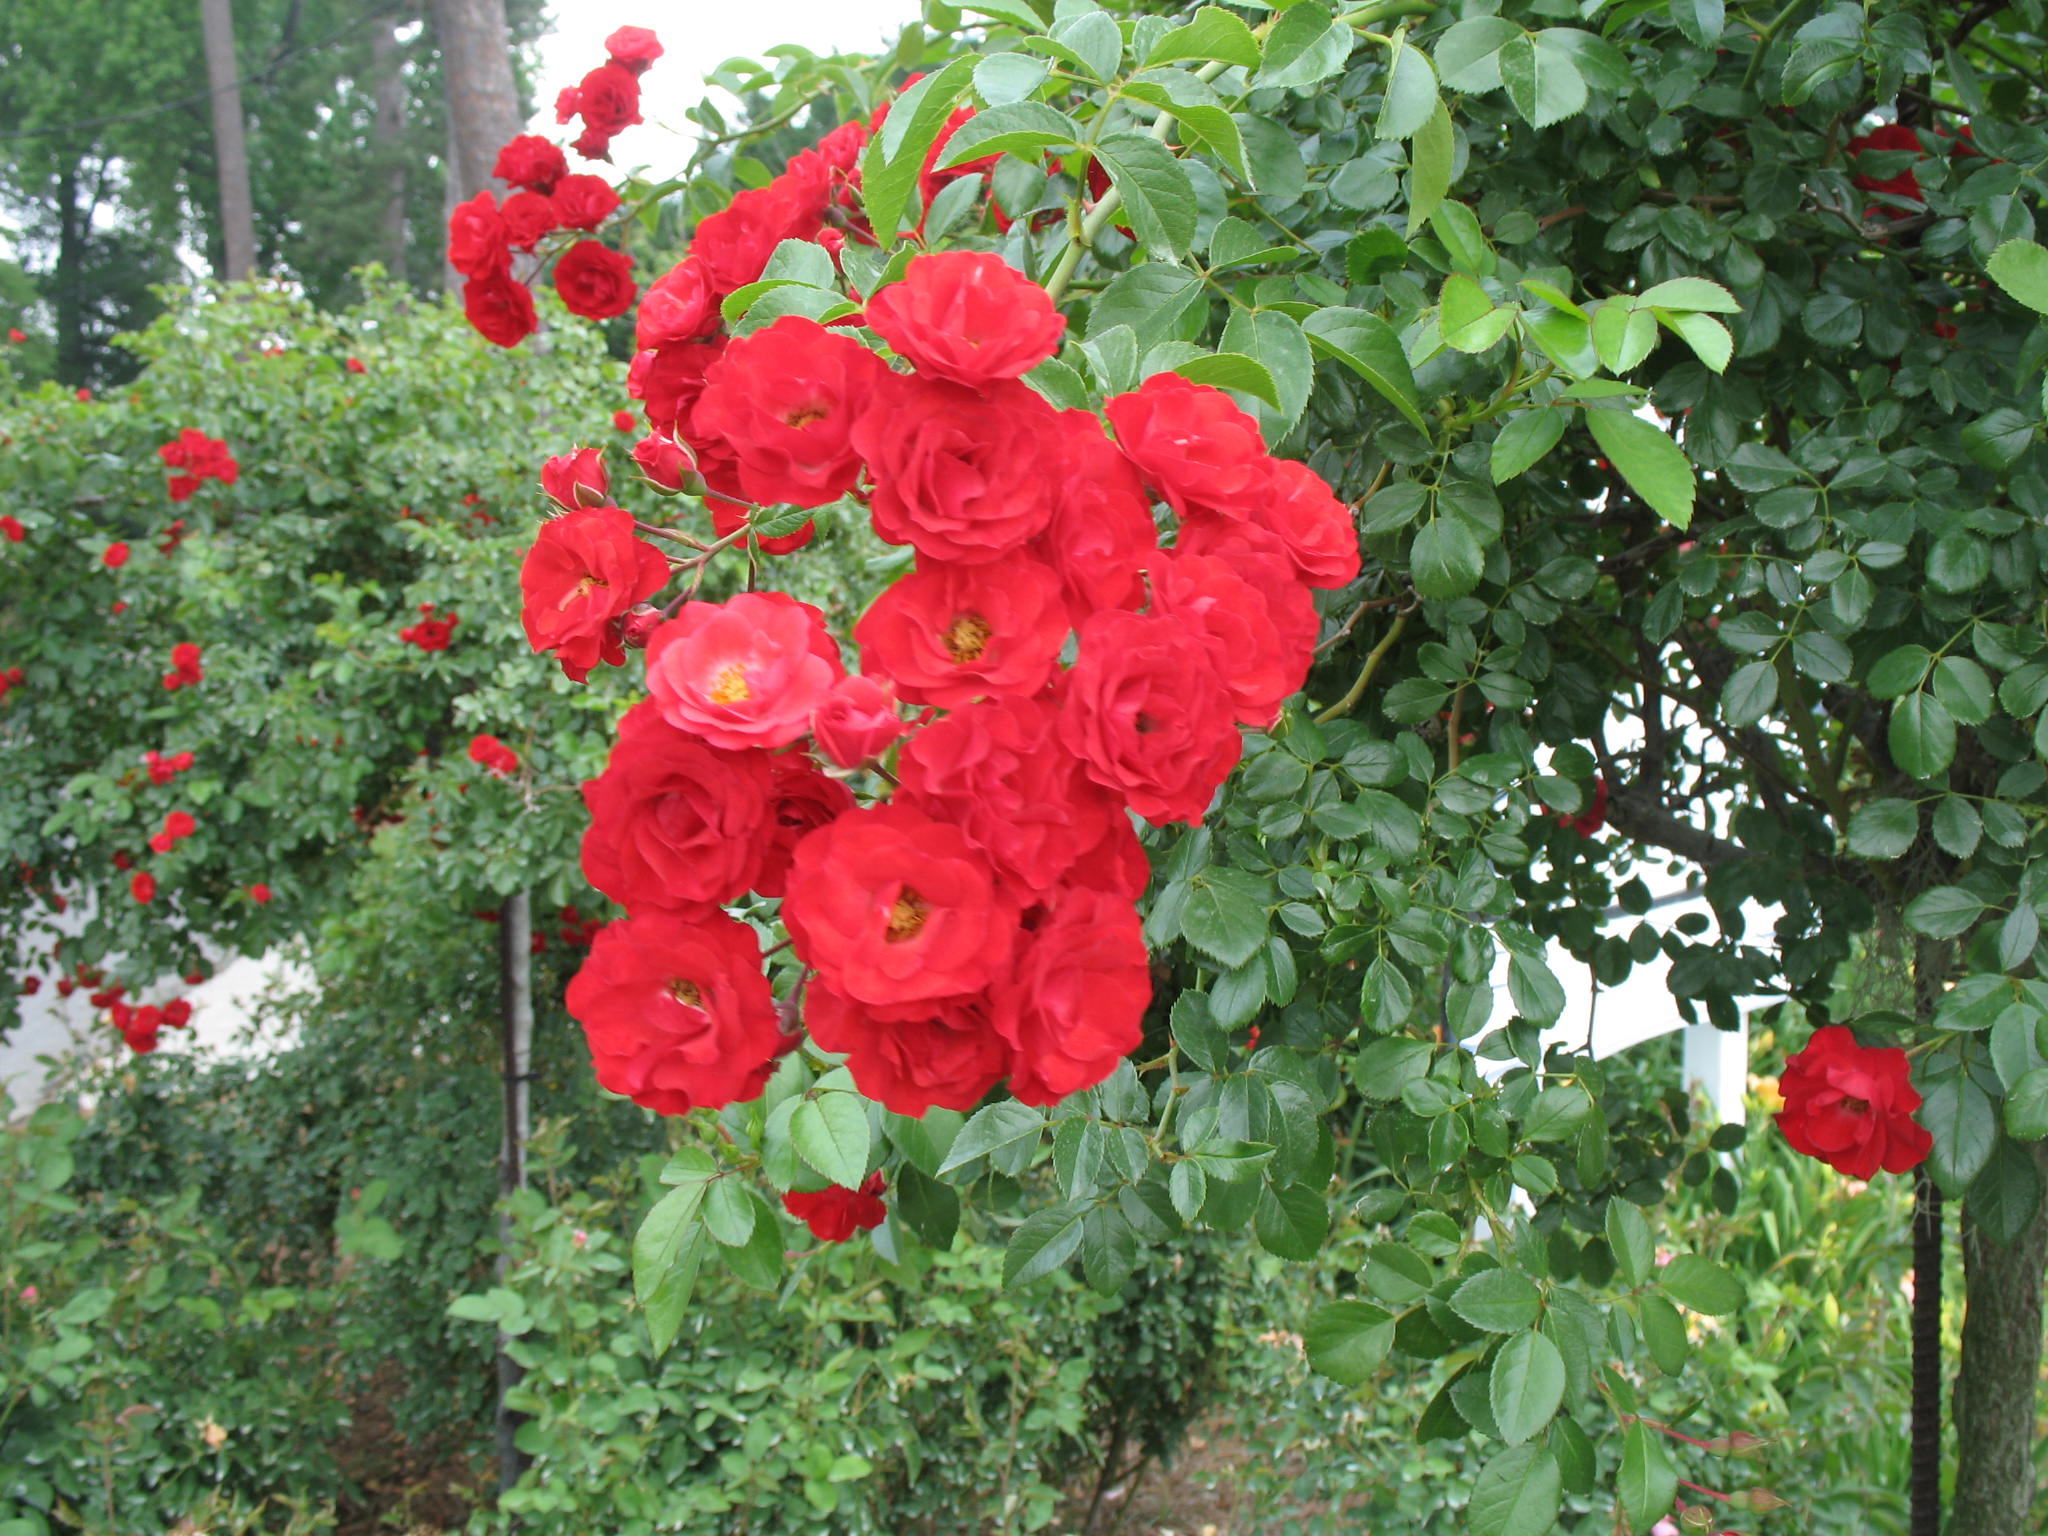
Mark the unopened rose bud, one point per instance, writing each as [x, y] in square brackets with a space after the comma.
[1759, 1501]
[576, 479]
[638, 625]
[1741, 1443]
[1696, 1517]
[857, 722]
[667, 464]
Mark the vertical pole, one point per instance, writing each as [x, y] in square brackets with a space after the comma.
[1925, 1480]
[387, 135]
[230, 148]
[515, 977]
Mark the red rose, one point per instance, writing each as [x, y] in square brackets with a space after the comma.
[1893, 137]
[493, 754]
[784, 400]
[577, 479]
[674, 824]
[1145, 710]
[745, 673]
[664, 461]
[894, 908]
[115, 556]
[259, 893]
[11, 526]
[677, 1012]
[532, 162]
[478, 245]
[1593, 817]
[1101, 533]
[609, 99]
[1076, 1004]
[942, 1054]
[858, 722]
[678, 306]
[1000, 773]
[1207, 599]
[834, 1214]
[1192, 444]
[16, 335]
[143, 887]
[801, 800]
[622, 421]
[529, 218]
[568, 102]
[960, 475]
[185, 669]
[1852, 1106]
[595, 281]
[735, 243]
[176, 825]
[584, 202]
[585, 570]
[1261, 561]
[500, 309]
[355, 365]
[669, 379]
[1316, 528]
[967, 316]
[177, 1013]
[950, 633]
[633, 48]
[593, 145]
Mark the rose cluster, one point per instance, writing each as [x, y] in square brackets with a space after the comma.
[163, 769]
[10, 678]
[608, 98]
[432, 633]
[493, 755]
[201, 458]
[139, 1025]
[185, 669]
[978, 924]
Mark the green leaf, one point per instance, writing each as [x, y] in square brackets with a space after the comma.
[1003, 1126]
[1094, 40]
[1628, 1237]
[1205, 121]
[1964, 1124]
[1526, 1386]
[1648, 1480]
[1544, 83]
[1518, 1493]
[1700, 20]
[1432, 159]
[1558, 1112]
[1047, 1240]
[2006, 1193]
[1232, 370]
[1523, 441]
[1997, 439]
[1019, 128]
[1003, 78]
[1157, 195]
[666, 1252]
[1884, 829]
[894, 158]
[1225, 917]
[2020, 267]
[1943, 912]
[1702, 1285]
[1213, 33]
[1367, 345]
[1410, 98]
[1749, 693]
[2026, 1107]
[1395, 1273]
[728, 1213]
[1623, 335]
[1648, 460]
[1690, 293]
[1709, 338]
[1306, 44]
[1663, 1331]
[1498, 1301]
[1109, 1249]
[1537, 994]
[830, 1132]
[1276, 341]
[1445, 560]
[1347, 1340]
[1468, 53]
[1922, 735]
[1150, 299]
[1291, 1223]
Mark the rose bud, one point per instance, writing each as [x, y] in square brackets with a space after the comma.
[577, 479]
[669, 465]
[857, 722]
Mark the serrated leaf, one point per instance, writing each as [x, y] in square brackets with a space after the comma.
[1213, 33]
[1157, 196]
[2020, 267]
[1922, 735]
[1432, 158]
[1367, 345]
[1468, 53]
[1960, 1117]
[1523, 441]
[1225, 916]
[1709, 338]
[1526, 1386]
[1291, 1223]
[1648, 460]
[1045, 1241]
[1410, 97]
[1498, 1301]
[993, 1128]
[1518, 1493]
[1232, 370]
[1002, 78]
[1019, 128]
[1543, 82]
[830, 1132]
[1690, 293]
[1943, 912]
[1702, 1285]
[1664, 1331]
[1347, 1340]
[1628, 1238]
[1648, 1480]
[666, 1252]
[1445, 561]
[894, 159]
[2026, 1106]
[1883, 829]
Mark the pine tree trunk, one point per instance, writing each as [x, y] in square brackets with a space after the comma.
[387, 135]
[69, 297]
[515, 979]
[230, 148]
[483, 103]
[1998, 1387]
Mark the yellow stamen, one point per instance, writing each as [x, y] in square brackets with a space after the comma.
[967, 637]
[686, 993]
[907, 916]
[730, 686]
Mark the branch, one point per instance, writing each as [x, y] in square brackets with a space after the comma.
[1636, 815]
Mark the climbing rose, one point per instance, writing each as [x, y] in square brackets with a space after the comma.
[744, 673]
[1101, 533]
[858, 722]
[967, 316]
[677, 1012]
[1888, 137]
[1076, 1004]
[894, 908]
[532, 162]
[185, 670]
[1145, 710]
[664, 461]
[633, 48]
[431, 634]
[960, 474]
[1593, 817]
[609, 99]
[673, 823]
[529, 219]
[943, 1054]
[115, 555]
[834, 1214]
[584, 202]
[1314, 526]
[500, 309]
[493, 754]
[1209, 600]
[585, 570]
[578, 479]
[1192, 444]
[477, 243]
[259, 893]
[678, 306]
[143, 887]
[803, 799]
[1261, 562]
[176, 825]
[353, 365]
[1852, 1106]
[950, 633]
[595, 281]
[784, 400]
[11, 526]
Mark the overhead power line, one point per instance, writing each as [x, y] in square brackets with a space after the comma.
[196, 97]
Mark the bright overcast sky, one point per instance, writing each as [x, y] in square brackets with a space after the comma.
[698, 37]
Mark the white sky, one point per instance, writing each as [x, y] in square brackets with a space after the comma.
[698, 36]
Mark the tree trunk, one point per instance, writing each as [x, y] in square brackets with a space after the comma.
[1925, 1485]
[1998, 1387]
[387, 135]
[69, 298]
[483, 103]
[515, 1002]
[230, 149]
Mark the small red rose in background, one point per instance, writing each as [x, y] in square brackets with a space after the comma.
[1852, 1105]
[355, 365]
[176, 825]
[259, 893]
[431, 633]
[17, 337]
[1593, 817]
[143, 887]
[493, 754]
[834, 1214]
[115, 556]
[633, 48]
[1889, 137]
[584, 202]
[11, 526]
[500, 310]
[201, 458]
[185, 669]
[31, 985]
[624, 421]
[163, 769]
[9, 679]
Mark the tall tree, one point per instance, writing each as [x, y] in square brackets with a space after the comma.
[230, 146]
[477, 80]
